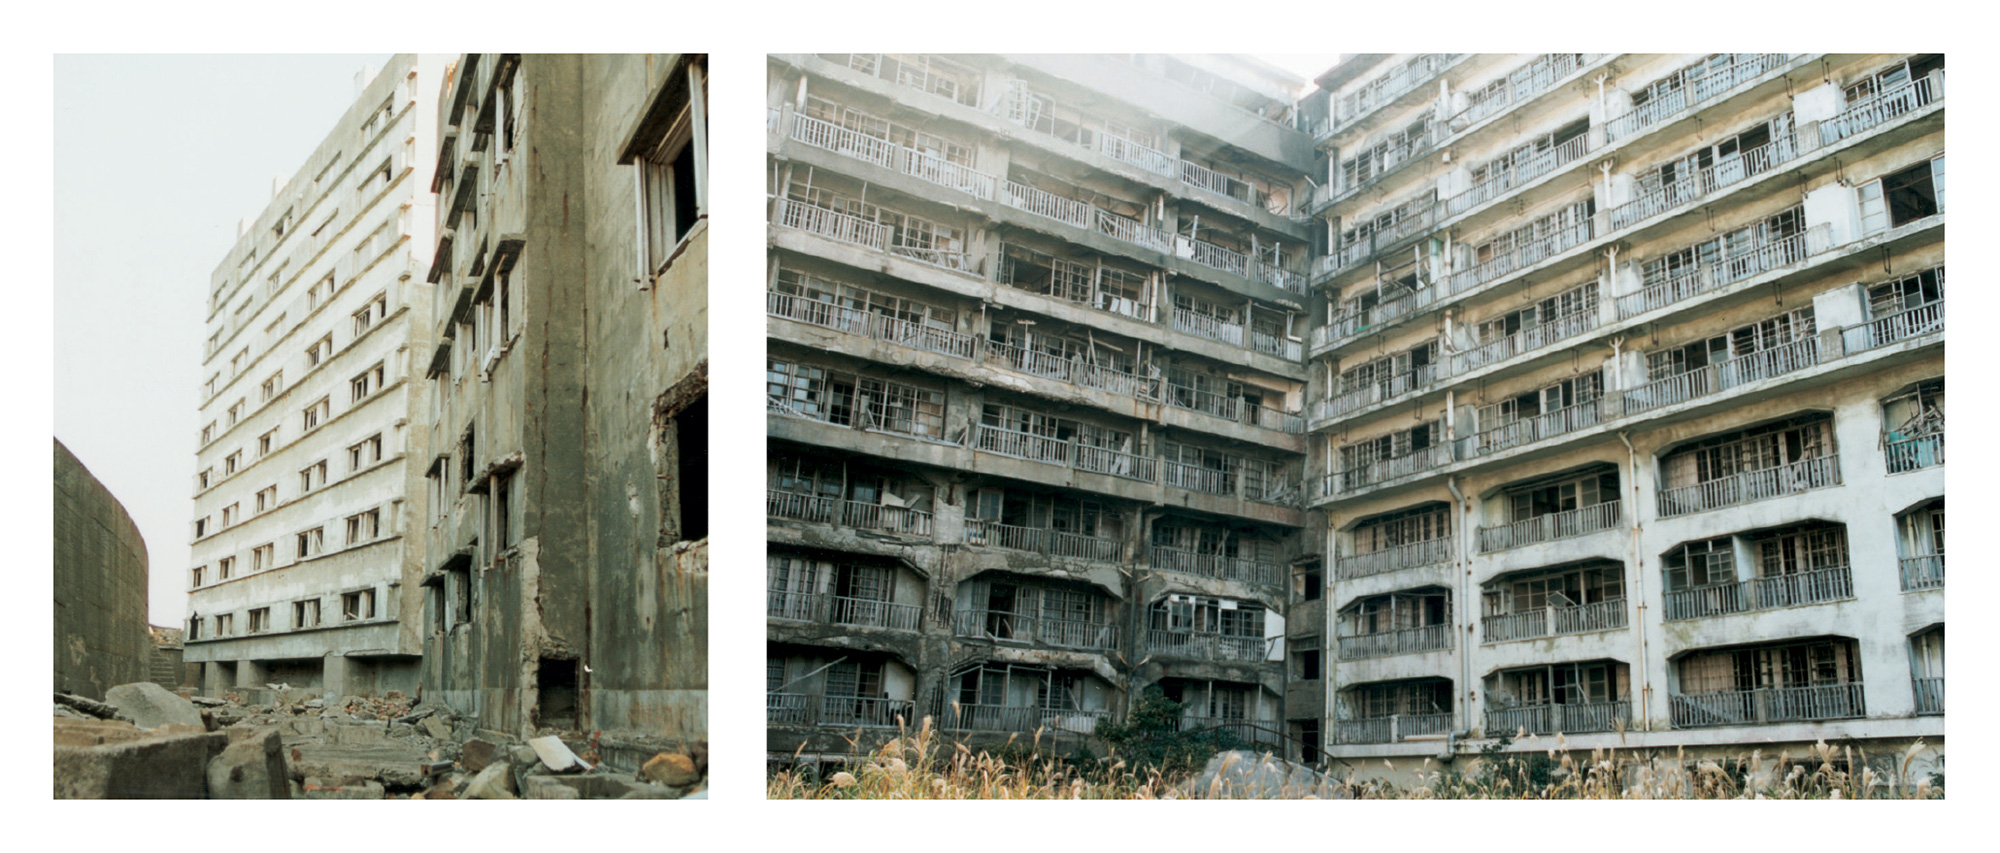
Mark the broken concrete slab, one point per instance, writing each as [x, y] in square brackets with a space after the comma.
[363, 790]
[548, 788]
[158, 766]
[250, 768]
[496, 782]
[556, 755]
[671, 769]
[92, 707]
[476, 754]
[436, 728]
[597, 786]
[151, 706]
[91, 731]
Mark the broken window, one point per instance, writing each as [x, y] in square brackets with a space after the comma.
[200, 527]
[1309, 583]
[1738, 345]
[231, 462]
[230, 515]
[225, 568]
[208, 432]
[1760, 449]
[368, 452]
[267, 443]
[263, 557]
[305, 614]
[852, 400]
[260, 620]
[357, 605]
[224, 624]
[1902, 197]
[363, 527]
[321, 350]
[503, 511]
[1800, 664]
[271, 387]
[312, 477]
[1906, 293]
[312, 542]
[1306, 651]
[370, 381]
[235, 412]
[267, 498]
[316, 414]
[1572, 492]
[1697, 565]
[673, 174]
[466, 462]
[199, 575]
[691, 457]
[366, 318]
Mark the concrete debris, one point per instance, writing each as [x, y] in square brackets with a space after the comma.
[476, 754]
[252, 767]
[496, 782]
[556, 755]
[317, 789]
[150, 706]
[147, 765]
[88, 706]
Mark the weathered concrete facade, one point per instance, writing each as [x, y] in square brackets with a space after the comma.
[310, 487]
[101, 636]
[1035, 330]
[1627, 401]
[565, 585]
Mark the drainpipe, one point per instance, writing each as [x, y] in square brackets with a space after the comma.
[1464, 582]
[1638, 584]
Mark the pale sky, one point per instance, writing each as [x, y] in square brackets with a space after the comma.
[156, 158]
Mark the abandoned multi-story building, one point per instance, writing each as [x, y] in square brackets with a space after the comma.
[1471, 396]
[310, 479]
[1036, 406]
[565, 581]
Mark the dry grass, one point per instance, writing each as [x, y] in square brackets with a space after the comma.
[922, 765]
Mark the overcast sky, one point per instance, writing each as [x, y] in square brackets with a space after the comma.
[156, 158]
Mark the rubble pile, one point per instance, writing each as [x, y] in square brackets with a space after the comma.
[144, 741]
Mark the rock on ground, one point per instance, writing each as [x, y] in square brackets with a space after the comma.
[251, 768]
[671, 769]
[155, 766]
[496, 782]
[150, 706]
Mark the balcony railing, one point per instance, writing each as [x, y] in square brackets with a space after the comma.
[1768, 705]
[1145, 157]
[1022, 628]
[1429, 638]
[1567, 524]
[1376, 242]
[1206, 326]
[1044, 203]
[1390, 729]
[1135, 232]
[827, 510]
[854, 230]
[1900, 326]
[1742, 488]
[1541, 74]
[1356, 322]
[1524, 255]
[1231, 409]
[1195, 478]
[840, 610]
[1073, 370]
[1169, 559]
[1725, 172]
[1762, 593]
[1881, 107]
[802, 709]
[1401, 79]
[889, 155]
[1069, 453]
[1923, 572]
[869, 324]
[1690, 282]
[1203, 178]
[1214, 647]
[1930, 694]
[1041, 540]
[1388, 160]
[1571, 718]
[1692, 90]
[1519, 174]
[1380, 391]
[1384, 470]
[1023, 720]
[1527, 340]
[1554, 621]
[1408, 555]
[1916, 453]
[1723, 375]
[1533, 428]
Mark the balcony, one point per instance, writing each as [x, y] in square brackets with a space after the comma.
[1042, 540]
[1527, 340]
[1519, 174]
[1882, 107]
[1376, 242]
[1194, 478]
[1533, 428]
[1723, 375]
[1383, 470]
[824, 609]
[868, 324]
[1408, 555]
[1924, 572]
[1169, 559]
[1069, 453]
[1930, 694]
[1570, 718]
[1381, 391]
[894, 157]
[1914, 454]
[1233, 409]
[1554, 621]
[1768, 705]
[866, 233]
[1384, 163]
[1047, 204]
[1070, 370]
[1702, 182]
[1145, 157]
[1748, 486]
[1213, 647]
[1387, 88]
[1567, 524]
[1354, 323]
[1390, 729]
[1694, 88]
[804, 709]
[827, 510]
[1523, 256]
[1541, 74]
[1687, 283]
[1429, 638]
[1765, 593]
[1029, 630]
[1009, 719]
[1901, 326]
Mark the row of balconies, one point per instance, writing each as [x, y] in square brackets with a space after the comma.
[1764, 705]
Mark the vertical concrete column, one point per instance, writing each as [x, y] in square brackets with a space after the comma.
[333, 677]
[250, 673]
[213, 679]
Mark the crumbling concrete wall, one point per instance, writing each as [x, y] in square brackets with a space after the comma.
[101, 636]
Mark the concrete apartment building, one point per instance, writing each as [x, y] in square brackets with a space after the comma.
[1036, 428]
[1627, 401]
[310, 488]
[565, 580]
[1478, 394]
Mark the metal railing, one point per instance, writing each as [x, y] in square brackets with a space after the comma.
[1008, 718]
[1408, 555]
[1687, 283]
[1204, 178]
[1698, 184]
[1042, 540]
[1196, 478]
[1358, 322]
[1204, 326]
[1216, 257]
[1390, 729]
[833, 225]
[1533, 428]
[1567, 524]
[1762, 593]
[1692, 91]
[1723, 375]
[1145, 157]
[1383, 390]
[1206, 646]
[828, 510]
[869, 324]
[1044, 203]
[1900, 326]
[1569, 718]
[1527, 340]
[1805, 475]
[889, 155]
[1231, 408]
[1930, 694]
[1923, 572]
[1400, 80]
[1429, 638]
[1768, 705]
[1135, 232]
[870, 613]
[1553, 621]
[794, 606]
[1384, 470]
[1023, 628]
[1377, 242]
[804, 709]
[1069, 453]
[1387, 161]
[1073, 370]
[1169, 559]
[1519, 174]
[1879, 108]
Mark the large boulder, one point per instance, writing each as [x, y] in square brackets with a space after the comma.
[158, 766]
[252, 768]
[496, 782]
[150, 706]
